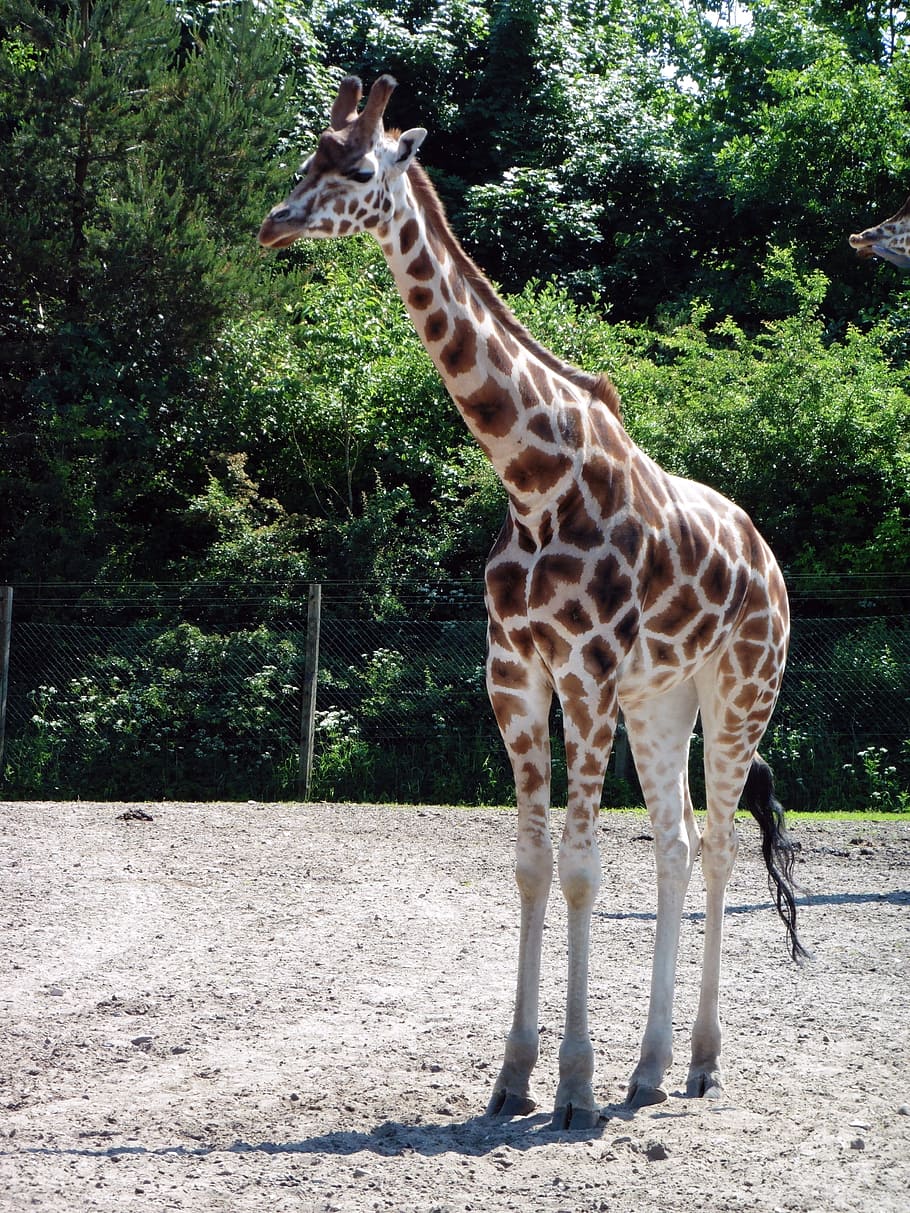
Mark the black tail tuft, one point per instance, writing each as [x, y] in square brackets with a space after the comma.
[778, 848]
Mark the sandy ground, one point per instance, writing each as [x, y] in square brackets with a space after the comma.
[276, 1007]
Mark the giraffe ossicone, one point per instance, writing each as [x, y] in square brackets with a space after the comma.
[889, 240]
[612, 585]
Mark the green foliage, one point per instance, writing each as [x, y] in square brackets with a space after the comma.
[173, 405]
[884, 790]
[135, 159]
[186, 714]
[811, 437]
[405, 721]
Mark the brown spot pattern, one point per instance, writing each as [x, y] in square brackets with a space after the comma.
[593, 766]
[529, 397]
[691, 544]
[575, 526]
[541, 428]
[407, 237]
[662, 653]
[507, 586]
[525, 538]
[497, 354]
[715, 581]
[605, 483]
[420, 297]
[421, 267]
[754, 627]
[609, 586]
[574, 618]
[570, 428]
[571, 684]
[575, 710]
[680, 611]
[521, 640]
[550, 573]
[540, 379]
[657, 575]
[536, 470]
[599, 658]
[553, 648]
[460, 354]
[490, 409]
[626, 538]
[436, 326]
[604, 735]
[701, 635]
[508, 674]
[505, 708]
[496, 634]
[533, 778]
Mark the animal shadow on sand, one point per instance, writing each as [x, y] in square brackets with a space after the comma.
[474, 1137]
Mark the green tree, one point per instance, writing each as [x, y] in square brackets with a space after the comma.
[136, 157]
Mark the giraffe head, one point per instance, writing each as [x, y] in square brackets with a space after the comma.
[347, 184]
[889, 240]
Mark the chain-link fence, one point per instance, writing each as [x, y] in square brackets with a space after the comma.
[182, 710]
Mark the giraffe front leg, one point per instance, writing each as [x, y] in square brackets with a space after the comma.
[533, 875]
[588, 745]
[523, 722]
[579, 876]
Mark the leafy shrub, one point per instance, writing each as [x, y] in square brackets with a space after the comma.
[184, 714]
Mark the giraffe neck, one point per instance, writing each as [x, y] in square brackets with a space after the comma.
[531, 413]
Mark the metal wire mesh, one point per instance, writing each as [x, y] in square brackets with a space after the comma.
[150, 710]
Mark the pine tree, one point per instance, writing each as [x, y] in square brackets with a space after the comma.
[136, 157]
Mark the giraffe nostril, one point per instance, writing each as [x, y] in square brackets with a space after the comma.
[280, 214]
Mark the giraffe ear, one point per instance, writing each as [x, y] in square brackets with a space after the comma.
[408, 143]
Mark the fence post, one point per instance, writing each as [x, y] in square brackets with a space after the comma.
[6, 622]
[308, 700]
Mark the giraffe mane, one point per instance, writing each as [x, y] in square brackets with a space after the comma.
[901, 214]
[600, 387]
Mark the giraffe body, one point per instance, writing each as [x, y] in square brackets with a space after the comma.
[612, 585]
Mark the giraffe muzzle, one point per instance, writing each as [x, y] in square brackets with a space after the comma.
[863, 241]
[273, 233]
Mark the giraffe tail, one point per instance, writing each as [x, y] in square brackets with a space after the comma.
[778, 848]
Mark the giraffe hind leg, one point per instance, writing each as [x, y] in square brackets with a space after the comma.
[659, 732]
[732, 731]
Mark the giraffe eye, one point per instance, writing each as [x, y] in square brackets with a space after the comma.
[302, 171]
[360, 175]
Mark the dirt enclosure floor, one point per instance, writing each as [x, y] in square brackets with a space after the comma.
[280, 1007]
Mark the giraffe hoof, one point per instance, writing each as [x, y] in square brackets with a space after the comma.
[705, 1084]
[640, 1095]
[505, 1103]
[575, 1119]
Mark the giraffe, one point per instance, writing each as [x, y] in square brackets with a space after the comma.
[889, 240]
[612, 585]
